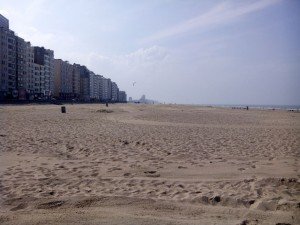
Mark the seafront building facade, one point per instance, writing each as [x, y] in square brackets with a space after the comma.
[63, 78]
[25, 71]
[114, 92]
[122, 97]
[106, 92]
[21, 67]
[84, 83]
[45, 58]
[95, 86]
[76, 81]
[4, 22]
[31, 77]
[39, 80]
[8, 64]
[31, 72]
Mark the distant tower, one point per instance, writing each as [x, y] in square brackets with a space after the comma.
[130, 99]
[143, 98]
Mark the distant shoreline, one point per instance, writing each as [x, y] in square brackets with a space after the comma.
[243, 106]
[233, 106]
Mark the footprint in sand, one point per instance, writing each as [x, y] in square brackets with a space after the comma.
[182, 167]
[51, 205]
[19, 207]
[152, 173]
[114, 169]
[129, 175]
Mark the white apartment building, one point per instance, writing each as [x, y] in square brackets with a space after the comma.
[106, 89]
[114, 92]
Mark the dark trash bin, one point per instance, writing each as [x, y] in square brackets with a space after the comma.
[63, 109]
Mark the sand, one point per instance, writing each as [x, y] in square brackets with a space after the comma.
[146, 164]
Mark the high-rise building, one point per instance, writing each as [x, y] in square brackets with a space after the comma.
[91, 76]
[23, 64]
[114, 92]
[8, 85]
[4, 22]
[123, 97]
[26, 71]
[39, 80]
[96, 87]
[106, 89]
[101, 84]
[63, 79]
[30, 71]
[84, 83]
[76, 81]
[45, 57]
[109, 89]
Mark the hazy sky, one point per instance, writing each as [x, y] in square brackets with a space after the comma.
[185, 51]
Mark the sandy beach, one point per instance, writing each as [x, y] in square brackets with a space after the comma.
[148, 164]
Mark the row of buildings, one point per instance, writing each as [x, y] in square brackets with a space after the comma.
[32, 72]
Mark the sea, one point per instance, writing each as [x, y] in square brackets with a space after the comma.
[244, 106]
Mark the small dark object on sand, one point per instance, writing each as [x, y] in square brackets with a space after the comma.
[217, 198]
[244, 222]
[63, 109]
[251, 202]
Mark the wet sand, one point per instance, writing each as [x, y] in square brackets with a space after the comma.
[145, 164]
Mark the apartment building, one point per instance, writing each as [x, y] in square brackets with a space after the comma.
[24, 70]
[114, 92]
[95, 86]
[30, 72]
[27, 72]
[76, 81]
[122, 96]
[63, 79]
[39, 80]
[84, 83]
[101, 83]
[31, 77]
[45, 58]
[106, 90]
[8, 88]
[4, 22]
[91, 76]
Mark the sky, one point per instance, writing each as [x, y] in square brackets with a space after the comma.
[177, 51]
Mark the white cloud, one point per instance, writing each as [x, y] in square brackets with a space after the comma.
[141, 65]
[142, 58]
[221, 14]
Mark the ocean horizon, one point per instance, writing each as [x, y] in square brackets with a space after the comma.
[252, 106]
